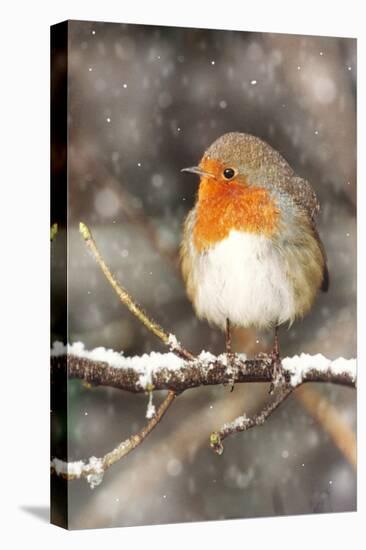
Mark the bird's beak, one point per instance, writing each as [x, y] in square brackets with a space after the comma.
[197, 170]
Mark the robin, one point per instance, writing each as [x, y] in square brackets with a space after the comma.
[251, 255]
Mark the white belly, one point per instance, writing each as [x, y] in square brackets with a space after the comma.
[243, 278]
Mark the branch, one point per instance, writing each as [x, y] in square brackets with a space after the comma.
[165, 371]
[126, 299]
[243, 423]
[177, 371]
[94, 469]
[158, 371]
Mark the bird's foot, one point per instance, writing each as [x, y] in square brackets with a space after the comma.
[278, 374]
[231, 369]
[230, 357]
[262, 356]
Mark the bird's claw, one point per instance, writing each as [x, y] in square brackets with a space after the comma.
[262, 356]
[278, 375]
[231, 365]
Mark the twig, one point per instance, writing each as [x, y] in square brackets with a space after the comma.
[156, 371]
[243, 423]
[94, 469]
[181, 444]
[204, 370]
[53, 231]
[126, 299]
[108, 368]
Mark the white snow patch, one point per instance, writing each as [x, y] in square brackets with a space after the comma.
[237, 423]
[94, 466]
[71, 468]
[173, 342]
[223, 358]
[299, 365]
[144, 365]
[207, 357]
[94, 479]
[150, 411]
[148, 364]
[58, 349]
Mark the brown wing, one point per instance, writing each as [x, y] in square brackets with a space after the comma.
[305, 197]
[326, 279]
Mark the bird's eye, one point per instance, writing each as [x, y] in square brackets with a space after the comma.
[229, 173]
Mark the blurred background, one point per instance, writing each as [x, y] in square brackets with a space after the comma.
[145, 102]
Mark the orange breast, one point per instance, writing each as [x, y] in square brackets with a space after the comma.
[223, 206]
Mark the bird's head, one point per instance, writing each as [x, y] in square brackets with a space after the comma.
[236, 160]
[239, 176]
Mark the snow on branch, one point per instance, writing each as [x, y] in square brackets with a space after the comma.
[177, 371]
[93, 470]
[166, 371]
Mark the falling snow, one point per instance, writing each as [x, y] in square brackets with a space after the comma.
[166, 100]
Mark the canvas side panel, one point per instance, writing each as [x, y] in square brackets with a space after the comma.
[59, 418]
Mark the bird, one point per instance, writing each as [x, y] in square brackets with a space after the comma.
[251, 254]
